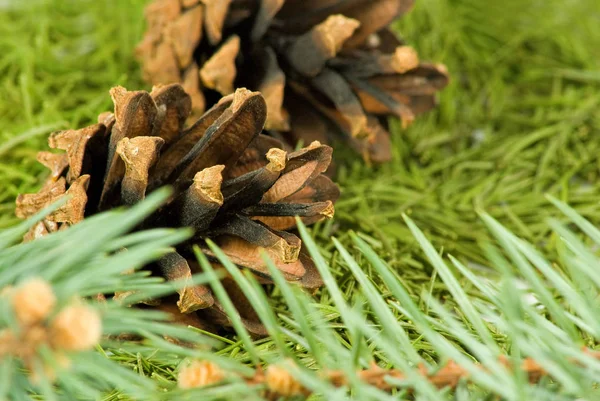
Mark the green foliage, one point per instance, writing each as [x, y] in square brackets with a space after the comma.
[518, 121]
[547, 311]
[58, 59]
[85, 261]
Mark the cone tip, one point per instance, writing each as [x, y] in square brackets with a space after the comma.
[277, 159]
[208, 182]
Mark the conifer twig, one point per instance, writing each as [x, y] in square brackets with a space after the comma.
[280, 382]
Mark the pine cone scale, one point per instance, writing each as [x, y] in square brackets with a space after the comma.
[245, 254]
[227, 138]
[216, 12]
[176, 106]
[186, 140]
[219, 71]
[373, 16]
[139, 154]
[174, 267]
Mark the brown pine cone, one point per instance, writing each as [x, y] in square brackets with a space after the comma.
[231, 184]
[325, 67]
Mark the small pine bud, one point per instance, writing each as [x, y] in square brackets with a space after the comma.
[76, 328]
[49, 372]
[280, 381]
[7, 342]
[33, 301]
[199, 374]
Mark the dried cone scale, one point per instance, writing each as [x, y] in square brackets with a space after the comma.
[324, 66]
[231, 184]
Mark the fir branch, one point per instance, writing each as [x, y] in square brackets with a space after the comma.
[544, 356]
[48, 331]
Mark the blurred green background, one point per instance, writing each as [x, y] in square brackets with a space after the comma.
[519, 120]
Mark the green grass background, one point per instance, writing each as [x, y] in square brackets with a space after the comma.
[520, 119]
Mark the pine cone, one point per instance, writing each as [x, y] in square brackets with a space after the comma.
[324, 66]
[231, 184]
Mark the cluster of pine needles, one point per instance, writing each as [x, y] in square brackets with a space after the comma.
[457, 271]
